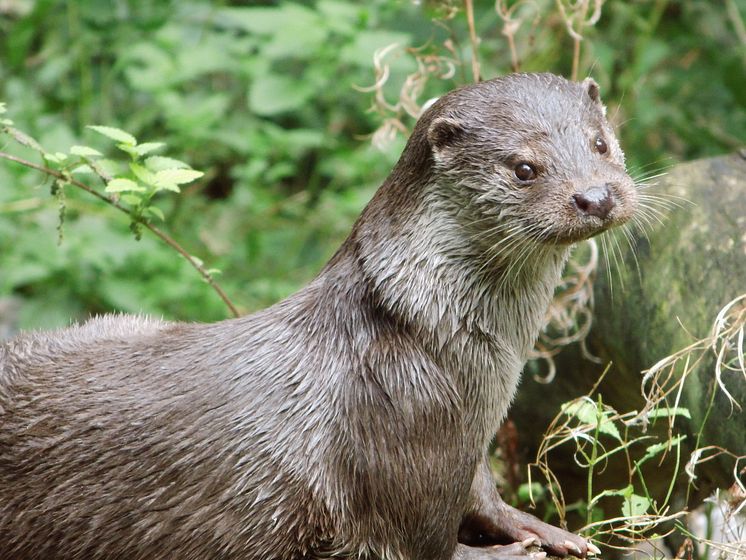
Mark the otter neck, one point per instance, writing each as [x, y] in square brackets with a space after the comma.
[426, 270]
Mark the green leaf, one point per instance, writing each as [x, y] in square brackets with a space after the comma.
[123, 185]
[668, 412]
[272, 94]
[143, 174]
[625, 492]
[635, 505]
[128, 149]
[115, 134]
[155, 212]
[159, 163]
[252, 20]
[3, 107]
[147, 147]
[82, 169]
[587, 412]
[176, 176]
[132, 199]
[657, 448]
[84, 151]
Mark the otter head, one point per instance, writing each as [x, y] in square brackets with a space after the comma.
[529, 158]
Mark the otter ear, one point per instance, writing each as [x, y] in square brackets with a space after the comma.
[593, 91]
[443, 132]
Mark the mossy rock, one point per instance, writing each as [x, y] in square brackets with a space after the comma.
[685, 271]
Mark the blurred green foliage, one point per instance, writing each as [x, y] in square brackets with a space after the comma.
[259, 96]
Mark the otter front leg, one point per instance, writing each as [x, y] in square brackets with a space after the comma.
[490, 519]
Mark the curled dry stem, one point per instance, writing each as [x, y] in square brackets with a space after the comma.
[575, 15]
[512, 22]
[428, 65]
[571, 311]
[725, 342]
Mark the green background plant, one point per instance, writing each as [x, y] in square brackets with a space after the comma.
[261, 100]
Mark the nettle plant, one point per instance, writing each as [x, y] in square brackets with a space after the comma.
[147, 174]
[131, 184]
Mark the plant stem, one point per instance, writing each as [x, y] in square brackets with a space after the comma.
[473, 38]
[167, 239]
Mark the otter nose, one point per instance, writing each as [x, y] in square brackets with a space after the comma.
[596, 201]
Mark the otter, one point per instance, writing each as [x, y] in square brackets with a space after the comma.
[353, 418]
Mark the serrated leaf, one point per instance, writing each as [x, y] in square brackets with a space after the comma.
[625, 492]
[84, 169]
[128, 149]
[165, 186]
[84, 151]
[635, 505]
[147, 147]
[657, 448]
[587, 412]
[143, 174]
[160, 163]
[176, 176]
[51, 158]
[115, 134]
[155, 212]
[123, 185]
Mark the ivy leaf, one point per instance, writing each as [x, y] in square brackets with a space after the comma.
[84, 151]
[115, 134]
[123, 185]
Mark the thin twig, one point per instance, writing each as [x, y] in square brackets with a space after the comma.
[157, 232]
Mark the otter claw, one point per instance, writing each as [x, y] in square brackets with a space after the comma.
[573, 547]
[539, 555]
[531, 541]
[593, 549]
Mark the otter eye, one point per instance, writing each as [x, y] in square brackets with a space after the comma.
[600, 145]
[525, 171]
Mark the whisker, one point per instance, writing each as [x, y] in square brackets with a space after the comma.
[633, 249]
[607, 264]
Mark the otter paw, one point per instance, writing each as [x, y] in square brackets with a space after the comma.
[522, 526]
[515, 551]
